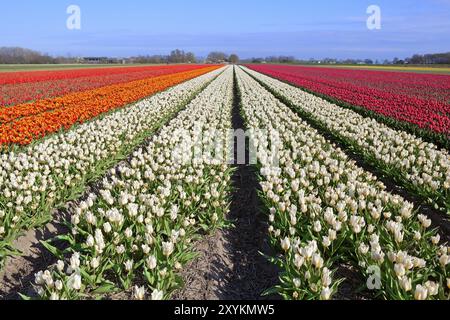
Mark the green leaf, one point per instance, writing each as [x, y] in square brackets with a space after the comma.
[52, 249]
[24, 297]
[106, 287]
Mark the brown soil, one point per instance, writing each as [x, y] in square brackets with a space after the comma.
[18, 273]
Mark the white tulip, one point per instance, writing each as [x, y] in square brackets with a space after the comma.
[95, 263]
[285, 244]
[54, 296]
[406, 284]
[128, 233]
[444, 260]
[74, 282]
[60, 266]
[421, 293]
[317, 226]
[58, 285]
[167, 248]
[435, 240]
[432, 287]
[151, 262]
[107, 227]
[325, 294]
[157, 295]
[90, 242]
[139, 293]
[317, 261]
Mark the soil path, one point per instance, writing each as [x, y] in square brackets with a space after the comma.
[231, 265]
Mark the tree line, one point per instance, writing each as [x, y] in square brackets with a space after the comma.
[176, 56]
[16, 55]
[438, 58]
[179, 56]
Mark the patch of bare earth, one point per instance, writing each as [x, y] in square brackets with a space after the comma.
[352, 288]
[18, 274]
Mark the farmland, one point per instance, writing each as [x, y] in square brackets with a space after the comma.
[346, 175]
[414, 101]
[20, 87]
[438, 69]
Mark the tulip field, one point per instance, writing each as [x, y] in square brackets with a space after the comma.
[416, 102]
[352, 168]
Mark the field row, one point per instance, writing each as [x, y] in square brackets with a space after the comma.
[324, 210]
[138, 229]
[419, 99]
[25, 123]
[33, 86]
[55, 75]
[419, 166]
[48, 174]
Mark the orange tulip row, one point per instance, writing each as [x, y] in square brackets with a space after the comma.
[63, 112]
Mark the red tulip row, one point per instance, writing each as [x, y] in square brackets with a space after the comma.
[420, 99]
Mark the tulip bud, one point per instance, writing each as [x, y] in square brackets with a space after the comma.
[399, 270]
[95, 262]
[151, 262]
[421, 293]
[325, 294]
[139, 293]
[406, 284]
[60, 266]
[435, 240]
[167, 248]
[299, 261]
[58, 285]
[107, 227]
[128, 265]
[286, 244]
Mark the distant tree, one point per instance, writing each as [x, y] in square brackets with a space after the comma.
[257, 60]
[234, 59]
[417, 59]
[286, 59]
[217, 57]
[350, 61]
[177, 56]
[155, 59]
[16, 55]
[329, 61]
[190, 58]
[368, 61]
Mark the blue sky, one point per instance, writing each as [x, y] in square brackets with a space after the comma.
[302, 28]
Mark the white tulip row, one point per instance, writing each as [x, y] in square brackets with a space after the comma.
[48, 174]
[138, 228]
[325, 210]
[420, 164]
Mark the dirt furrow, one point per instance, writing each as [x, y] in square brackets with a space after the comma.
[231, 265]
